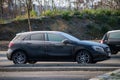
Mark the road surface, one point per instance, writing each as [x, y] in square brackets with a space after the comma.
[55, 75]
[50, 75]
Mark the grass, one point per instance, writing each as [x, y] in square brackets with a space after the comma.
[115, 76]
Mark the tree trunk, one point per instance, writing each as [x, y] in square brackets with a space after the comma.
[1, 9]
[28, 4]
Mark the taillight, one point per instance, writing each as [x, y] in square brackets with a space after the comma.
[101, 41]
[10, 44]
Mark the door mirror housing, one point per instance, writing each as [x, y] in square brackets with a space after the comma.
[66, 41]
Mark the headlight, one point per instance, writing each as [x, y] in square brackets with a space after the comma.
[98, 48]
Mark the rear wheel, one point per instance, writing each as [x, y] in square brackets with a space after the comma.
[19, 57]
[83, 57]
[114, 52]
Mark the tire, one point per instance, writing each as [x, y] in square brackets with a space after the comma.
[19, 57]
[114, 52]
[83, 57]
[32, 62]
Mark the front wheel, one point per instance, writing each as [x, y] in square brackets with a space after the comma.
[114, 51]
[83, 57]
[19, 57]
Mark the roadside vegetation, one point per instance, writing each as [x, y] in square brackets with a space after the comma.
[92, 21]
[88, 21]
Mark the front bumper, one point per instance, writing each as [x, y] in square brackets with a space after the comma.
[101, 56]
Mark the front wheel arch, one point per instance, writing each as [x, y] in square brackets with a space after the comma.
[77, 53]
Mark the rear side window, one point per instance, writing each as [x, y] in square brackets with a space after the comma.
[18, 38]
[115, 35]
[38, 37]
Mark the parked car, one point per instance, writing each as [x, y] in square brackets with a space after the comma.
[112, 39]
[54, 46]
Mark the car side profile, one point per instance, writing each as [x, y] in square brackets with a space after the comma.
[30, 47]
[112, 39]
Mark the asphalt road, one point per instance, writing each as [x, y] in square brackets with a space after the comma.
[50, 75]
[55, 70]
[107, 65]
[113, 62]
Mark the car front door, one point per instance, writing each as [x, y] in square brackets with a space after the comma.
[56, 49]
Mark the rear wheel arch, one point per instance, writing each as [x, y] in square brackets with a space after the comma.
[19, 57]
[20, 50]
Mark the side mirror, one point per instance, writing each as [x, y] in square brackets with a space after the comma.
[65, 41]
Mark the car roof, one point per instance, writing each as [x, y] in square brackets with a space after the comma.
[113, 31]
[32, 32]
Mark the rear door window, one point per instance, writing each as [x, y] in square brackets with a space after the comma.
[114, 35]
[38, 37]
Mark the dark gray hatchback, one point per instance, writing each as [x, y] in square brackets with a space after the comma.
[54, 46]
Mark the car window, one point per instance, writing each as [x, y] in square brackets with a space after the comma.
[39, 36]
[105, 37]
[55, 37]
[27, 37]
[114, 35]
[18, 37]
[70, 37]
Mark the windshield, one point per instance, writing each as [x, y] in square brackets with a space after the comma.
[70, 37]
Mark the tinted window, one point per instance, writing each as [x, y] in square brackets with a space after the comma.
[18, 38]
[105, 37]
[55, 37]
[114, 35]
[27, 37]
[39, 37]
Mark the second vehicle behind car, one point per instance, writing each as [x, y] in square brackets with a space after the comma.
[112, 39]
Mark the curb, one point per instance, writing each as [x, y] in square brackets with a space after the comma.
[108, 76]
[14, 69]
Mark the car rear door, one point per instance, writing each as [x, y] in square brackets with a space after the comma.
[34, 45]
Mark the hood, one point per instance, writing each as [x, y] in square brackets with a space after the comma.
[91, 43]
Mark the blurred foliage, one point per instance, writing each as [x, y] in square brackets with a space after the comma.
[67, 15]
[33, 14]
[2, 21]
[51, 13]
[97, 21]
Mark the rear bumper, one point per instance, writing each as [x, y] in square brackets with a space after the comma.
[9, 53]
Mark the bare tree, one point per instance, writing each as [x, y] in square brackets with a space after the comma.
[53, 5]
[10, 8]
[29, 7]
[109, 4]
[1, 8]
[117, 4]
[69, 4]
